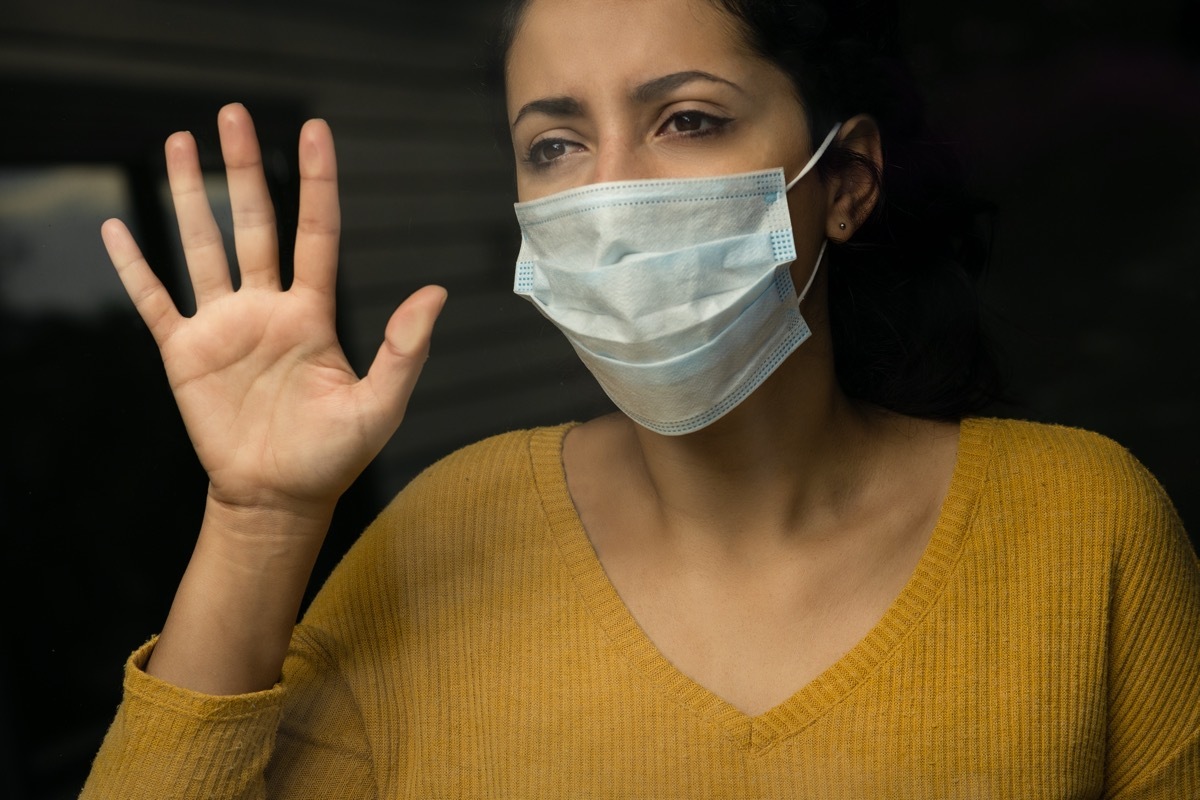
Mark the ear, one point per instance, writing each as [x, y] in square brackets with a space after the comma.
[854, 190]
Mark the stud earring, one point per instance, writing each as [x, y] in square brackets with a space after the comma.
[842, 225]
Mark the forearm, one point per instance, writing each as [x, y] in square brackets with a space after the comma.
[232, 617]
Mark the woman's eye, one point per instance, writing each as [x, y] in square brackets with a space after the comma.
[693, 123]
[547, 150]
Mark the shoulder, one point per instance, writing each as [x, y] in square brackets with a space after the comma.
[488, 470]
[1020, 441]
[1094, 556]
[458, 518]
[1071, 477]
[492, 484]
[1059, 456]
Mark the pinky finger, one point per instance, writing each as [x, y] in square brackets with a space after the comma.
[149, 296]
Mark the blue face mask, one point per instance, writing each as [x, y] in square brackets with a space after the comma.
[676, 294]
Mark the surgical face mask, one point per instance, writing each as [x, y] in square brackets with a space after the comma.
[676, 294]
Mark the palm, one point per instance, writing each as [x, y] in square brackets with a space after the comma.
[273, 408]
[267, 395]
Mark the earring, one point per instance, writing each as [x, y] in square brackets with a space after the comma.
[842, 225]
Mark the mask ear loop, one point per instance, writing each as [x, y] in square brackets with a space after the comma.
[812, 162]
[812, 276]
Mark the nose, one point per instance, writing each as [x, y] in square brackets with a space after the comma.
[619, 161]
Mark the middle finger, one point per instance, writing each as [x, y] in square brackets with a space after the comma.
[203, 247]
[250, 200]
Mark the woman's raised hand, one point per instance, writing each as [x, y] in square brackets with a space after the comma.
[277, 416]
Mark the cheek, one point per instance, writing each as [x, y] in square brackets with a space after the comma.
[528, 190]
[807, 206]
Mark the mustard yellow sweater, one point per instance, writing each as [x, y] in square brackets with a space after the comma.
[470, 645]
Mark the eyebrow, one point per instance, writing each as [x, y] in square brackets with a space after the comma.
[566, 106]
[562, 106]
[654, 89]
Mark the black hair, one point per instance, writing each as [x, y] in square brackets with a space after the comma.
[904, 306]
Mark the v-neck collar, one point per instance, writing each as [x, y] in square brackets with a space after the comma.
[758, 733]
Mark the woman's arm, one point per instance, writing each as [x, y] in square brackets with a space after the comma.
[281, 423]
[1153, 746]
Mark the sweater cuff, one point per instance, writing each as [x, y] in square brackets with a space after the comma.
[167, 741]
[197, 705]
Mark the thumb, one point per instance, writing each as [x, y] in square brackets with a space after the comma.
[397, 365]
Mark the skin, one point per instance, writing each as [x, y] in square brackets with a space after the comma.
[279, 420]
[756, 552]
[753, 553]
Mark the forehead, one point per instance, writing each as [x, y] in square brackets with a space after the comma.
[573, 47]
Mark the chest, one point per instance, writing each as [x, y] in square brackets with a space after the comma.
[754, 643]
[602, 715]
[624, 678]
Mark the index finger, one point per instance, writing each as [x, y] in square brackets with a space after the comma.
[319, 226]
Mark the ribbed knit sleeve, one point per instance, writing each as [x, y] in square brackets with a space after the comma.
[168, 743]
[1154, 651]
[1099, 520]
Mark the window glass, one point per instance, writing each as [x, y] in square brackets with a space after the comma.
[51, 258]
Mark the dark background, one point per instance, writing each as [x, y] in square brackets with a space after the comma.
[1079, 119]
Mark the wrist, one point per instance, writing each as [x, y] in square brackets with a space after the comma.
[232, 617]
[275, 536]
[268, 514]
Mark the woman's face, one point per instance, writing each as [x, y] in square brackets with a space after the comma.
[605, 90]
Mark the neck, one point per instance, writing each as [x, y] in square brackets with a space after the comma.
[787, 462]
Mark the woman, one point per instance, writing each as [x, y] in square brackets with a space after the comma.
[793, 565]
